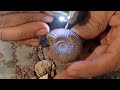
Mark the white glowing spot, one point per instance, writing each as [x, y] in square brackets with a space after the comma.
[61, 18]
[68, 17]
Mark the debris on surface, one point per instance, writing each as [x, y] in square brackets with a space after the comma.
[43, 67]
[44, 77]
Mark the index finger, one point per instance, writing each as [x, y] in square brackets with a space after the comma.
[22, 18]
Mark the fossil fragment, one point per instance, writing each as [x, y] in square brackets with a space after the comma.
[43, 67]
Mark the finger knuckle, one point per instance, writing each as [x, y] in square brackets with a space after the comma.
[2, 34]
[22, 35]
[98, 24]
[3, 21]
[29, 18]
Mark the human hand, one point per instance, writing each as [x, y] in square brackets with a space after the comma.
[23, 27]
[105, 58]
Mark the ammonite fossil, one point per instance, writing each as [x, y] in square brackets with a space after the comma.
[65, 45]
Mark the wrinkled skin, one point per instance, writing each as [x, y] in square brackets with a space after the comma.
[23, 26]
[106, 57]
[26, 27]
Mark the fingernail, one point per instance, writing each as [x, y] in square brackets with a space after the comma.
[48, 19]
[41, 32]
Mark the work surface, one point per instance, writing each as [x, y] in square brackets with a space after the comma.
[18, 61]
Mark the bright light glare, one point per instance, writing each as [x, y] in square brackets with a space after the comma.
[68, 17]
[61, 18]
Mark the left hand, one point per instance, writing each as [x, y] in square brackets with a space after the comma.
[23, 27]
[104, 59]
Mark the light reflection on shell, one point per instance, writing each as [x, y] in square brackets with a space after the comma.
[65, 45]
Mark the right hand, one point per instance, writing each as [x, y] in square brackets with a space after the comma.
[23, 27]
[104, 59]
[94, 24]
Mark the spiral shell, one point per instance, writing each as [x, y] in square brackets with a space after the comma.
[65, 45]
